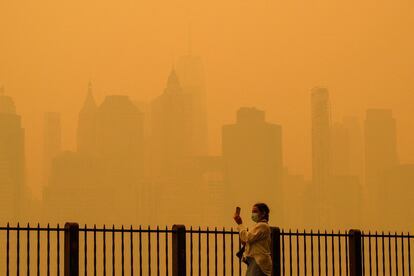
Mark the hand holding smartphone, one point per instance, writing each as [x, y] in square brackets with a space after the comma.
[238, 211]
[237, 217]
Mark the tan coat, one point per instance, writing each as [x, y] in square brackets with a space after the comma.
[258, 241]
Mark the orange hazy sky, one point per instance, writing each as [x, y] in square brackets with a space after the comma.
[263, 53]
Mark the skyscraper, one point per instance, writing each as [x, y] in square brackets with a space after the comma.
[52, 141]
[380, 143]
[172, 122]
[86, 132]
[321, 127]
[190, 72]
[252, 154]
[12, 160]
[380, 155]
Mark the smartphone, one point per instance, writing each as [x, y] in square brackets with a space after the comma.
[238, 210]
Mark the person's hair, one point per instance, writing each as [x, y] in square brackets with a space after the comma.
[264, 209]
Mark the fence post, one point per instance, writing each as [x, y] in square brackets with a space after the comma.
[71, 249]
[275, 250]
[179, 265]
[355, 253]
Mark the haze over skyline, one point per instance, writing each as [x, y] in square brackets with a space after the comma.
[265, 54]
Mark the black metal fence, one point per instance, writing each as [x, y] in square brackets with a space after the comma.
[74, 250]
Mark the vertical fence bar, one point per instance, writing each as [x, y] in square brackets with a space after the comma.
[402, 253]
[179, 250]
[224, 251]
[283, 252]
[104, 249]
[297, 253]
[383, 253]
[18, 251]
[94, 250]
[326, 252]
[409, 254]
[71, 249]
[215, 251]
[208, 251]
[290, 253]
[158, 251]
[376, 253]
[140, 250]
[149, 250]
[191, 251]
[131, 246]
[333, 253]
[28, 250]
[166, 250]
[275, 250]
[85, 247]
[48, 250]
[355, 254]
[199, 250]
[8, 250]
[122, 251]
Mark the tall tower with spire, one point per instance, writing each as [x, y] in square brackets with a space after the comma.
[172, 123]
[12, 161]
[190, 71]
[86, 132]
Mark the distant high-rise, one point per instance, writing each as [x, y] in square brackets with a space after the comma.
[172, 122]
[321, 128]
[380, 155]
[380, 143]
[356, 147]
[86, 132]
[190, 72]
[252, 154]
[12, 160]
[52, 141]
[340, 149]
[119, 129]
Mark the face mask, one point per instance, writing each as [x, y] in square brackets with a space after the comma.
[255, 217]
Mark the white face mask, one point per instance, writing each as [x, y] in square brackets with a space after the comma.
[255, 217]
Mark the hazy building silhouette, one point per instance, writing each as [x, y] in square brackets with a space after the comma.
[321, 127]
[380, 154]
[12, 160]
[380, 143]
[252, 153]
[86, 132]
[356, 147]
[172, 125]
[396, 198]
[52, 141]
[74, 190]
[190, 71]
[340, 150]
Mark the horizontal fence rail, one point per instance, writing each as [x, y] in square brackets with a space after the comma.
[177, 251]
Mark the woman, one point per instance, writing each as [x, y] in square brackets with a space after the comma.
[257, 241]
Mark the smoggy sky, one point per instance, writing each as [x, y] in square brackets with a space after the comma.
[263, 53]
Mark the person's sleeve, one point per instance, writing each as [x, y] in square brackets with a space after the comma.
[255, 234]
